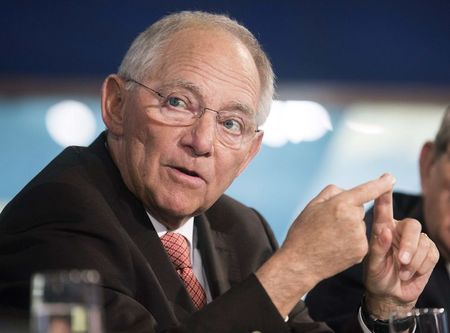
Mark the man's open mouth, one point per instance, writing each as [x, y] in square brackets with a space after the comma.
[188, 172]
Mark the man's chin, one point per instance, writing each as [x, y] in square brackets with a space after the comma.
[176, 214]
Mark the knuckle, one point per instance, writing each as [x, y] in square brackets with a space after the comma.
[365, 249]
[361, 249]
[341, 209]
[422, 270]
[415, 224]
[425, 242]
[359, 260]
[407, 244]
[363, 227]
[331, 187]
[434, 253]
[361, 230]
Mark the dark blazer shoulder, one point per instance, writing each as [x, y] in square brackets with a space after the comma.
[65, 189]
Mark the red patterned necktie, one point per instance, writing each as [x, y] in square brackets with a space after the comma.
[178, 250]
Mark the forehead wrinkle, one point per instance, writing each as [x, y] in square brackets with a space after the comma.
[240, 78]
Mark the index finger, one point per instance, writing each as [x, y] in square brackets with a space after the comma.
[369, 191]
[383, 211]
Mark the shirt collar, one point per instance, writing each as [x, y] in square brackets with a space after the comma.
[187, 229]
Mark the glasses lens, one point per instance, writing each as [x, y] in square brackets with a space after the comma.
[234, 129]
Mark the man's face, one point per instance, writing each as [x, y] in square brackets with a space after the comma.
[436, 194]
[178, 171]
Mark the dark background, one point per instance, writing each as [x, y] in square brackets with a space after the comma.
[395, 42]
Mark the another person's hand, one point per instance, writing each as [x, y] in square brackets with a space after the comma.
[400, 261]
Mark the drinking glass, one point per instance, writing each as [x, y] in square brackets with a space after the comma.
[66, 302]
[429, 320]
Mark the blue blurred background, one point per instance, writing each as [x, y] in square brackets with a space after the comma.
[360, 86]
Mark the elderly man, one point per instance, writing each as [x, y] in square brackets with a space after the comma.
[182, 119]
[335, 300]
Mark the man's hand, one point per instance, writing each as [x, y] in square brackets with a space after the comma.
[400, 261]
[326, 238]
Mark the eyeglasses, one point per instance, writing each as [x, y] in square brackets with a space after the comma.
[180, 108]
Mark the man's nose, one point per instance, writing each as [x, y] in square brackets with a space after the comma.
[203, 133]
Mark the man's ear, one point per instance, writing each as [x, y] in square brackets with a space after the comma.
[113, 98]
[254, 149]
[426, 161]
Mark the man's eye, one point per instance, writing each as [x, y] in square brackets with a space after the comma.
[176, 102]
[233, 126]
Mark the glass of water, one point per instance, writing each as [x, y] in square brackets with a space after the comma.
[429, 320]
[66, 302]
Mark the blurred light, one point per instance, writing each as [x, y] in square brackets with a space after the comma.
[71, 123]
[295, 121]
[372, 127]
[365, 128]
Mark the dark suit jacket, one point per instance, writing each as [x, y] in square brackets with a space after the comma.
[77, 213]
[336, 299]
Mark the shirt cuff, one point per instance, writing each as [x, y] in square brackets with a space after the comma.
[361, 322]
[364, 327]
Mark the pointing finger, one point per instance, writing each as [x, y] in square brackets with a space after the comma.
[383, 212]
[369, 191]
[379, 249]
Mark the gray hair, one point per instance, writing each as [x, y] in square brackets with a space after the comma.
[147, 49]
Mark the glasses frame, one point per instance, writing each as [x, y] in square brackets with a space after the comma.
[203, 109]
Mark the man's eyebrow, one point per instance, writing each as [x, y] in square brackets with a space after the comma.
[243, 108]
[194, 89]
[179, 83]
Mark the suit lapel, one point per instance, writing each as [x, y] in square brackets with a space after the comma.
[219, 258]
